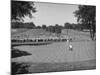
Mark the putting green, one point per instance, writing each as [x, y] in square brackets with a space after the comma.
[58, 52]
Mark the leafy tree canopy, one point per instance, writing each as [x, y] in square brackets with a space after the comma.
[20, 9]
[86, 14]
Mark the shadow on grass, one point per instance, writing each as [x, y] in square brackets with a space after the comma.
[30, 44]
[17, 53]
[19, 68]
[28, 68]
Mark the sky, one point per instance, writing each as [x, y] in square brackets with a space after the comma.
[52, 13]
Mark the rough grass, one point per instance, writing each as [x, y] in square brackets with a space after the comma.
[52, 67]
[55, 67]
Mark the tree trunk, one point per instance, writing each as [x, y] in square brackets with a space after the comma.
[92, 31]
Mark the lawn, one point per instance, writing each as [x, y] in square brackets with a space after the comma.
[58, 57]
[58, 52]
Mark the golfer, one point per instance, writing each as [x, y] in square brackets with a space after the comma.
[70, 48]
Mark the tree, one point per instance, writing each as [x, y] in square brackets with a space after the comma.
[38, 27]
[30, 25]
[58, 30]
[67, 25]
[86, 15]
[44, 26]
[51, 29]
[20, 9]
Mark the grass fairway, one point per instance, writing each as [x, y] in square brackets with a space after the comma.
[58, 52]
[57, 56]
[67, 66]
[29, 67]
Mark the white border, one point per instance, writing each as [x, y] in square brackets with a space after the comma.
[85, 2]
[5, 37]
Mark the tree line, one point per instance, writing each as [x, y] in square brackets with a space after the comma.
[52, 28]
[86, 17]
